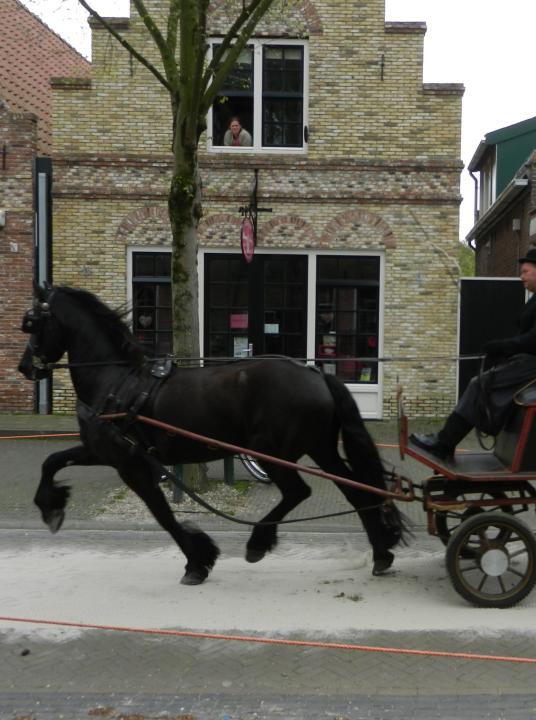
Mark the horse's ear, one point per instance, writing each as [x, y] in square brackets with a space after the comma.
[42, 292]
[37, 291]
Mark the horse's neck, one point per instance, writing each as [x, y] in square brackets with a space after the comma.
[97, 366]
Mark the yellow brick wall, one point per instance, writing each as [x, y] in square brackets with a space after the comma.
[381, 173]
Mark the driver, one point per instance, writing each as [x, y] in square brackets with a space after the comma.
[488, 398]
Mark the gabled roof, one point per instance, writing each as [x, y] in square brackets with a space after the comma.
[498, 136]
[30, 54]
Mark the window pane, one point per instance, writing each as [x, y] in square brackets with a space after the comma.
[282, 122]
[274, 296]
[144, 295]
[348, 316]
[235, 98]
[143, 264]
[274, 271]
[162, 264]
[240, 78]
[164, 320]
[227, 107]
[151, 312]
[164, 294]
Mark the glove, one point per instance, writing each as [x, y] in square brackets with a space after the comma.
[499, 348]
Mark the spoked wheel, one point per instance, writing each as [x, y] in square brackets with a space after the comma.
[450, 520]
[253, 467]
[491, 560]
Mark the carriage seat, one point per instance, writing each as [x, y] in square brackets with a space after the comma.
[515, 445]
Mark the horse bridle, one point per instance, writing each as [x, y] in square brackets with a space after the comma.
[33, 324]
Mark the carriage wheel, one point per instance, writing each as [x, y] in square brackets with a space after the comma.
[491, 560]
[449, 521]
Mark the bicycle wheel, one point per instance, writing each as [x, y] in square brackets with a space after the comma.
[253, 467]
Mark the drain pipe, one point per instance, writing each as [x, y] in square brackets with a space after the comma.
[476, 213]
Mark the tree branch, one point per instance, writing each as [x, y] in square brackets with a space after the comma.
[128, 47]
[255, 13]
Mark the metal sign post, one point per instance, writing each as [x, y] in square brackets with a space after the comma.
[248, 229]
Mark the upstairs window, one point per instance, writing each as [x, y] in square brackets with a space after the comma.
[266, 92]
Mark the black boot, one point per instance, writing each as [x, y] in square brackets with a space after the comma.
[443, 443]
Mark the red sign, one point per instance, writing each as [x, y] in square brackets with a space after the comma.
[247, 239]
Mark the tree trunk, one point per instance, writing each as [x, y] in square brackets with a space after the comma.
[184, 213]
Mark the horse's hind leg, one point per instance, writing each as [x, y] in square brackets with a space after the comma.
[200, 550]
[369, 509]
[50, 498]
[294, 491]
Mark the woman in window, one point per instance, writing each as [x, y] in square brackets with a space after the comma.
[236, 135]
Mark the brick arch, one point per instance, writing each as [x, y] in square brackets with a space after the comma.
[220, 230]
[157, 215]
[366, 228]
[287, 231]
[306, 8]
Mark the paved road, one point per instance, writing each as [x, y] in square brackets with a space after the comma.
[62, 673]
[96, 673]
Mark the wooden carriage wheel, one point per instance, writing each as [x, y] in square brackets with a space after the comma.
[491, 560]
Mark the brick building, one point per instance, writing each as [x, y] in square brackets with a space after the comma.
[505, 219]
[30, 53]
[356, 158]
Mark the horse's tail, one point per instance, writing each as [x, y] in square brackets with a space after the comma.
[359, 447]
[361, 452]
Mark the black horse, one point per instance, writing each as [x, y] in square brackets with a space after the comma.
[275, 406]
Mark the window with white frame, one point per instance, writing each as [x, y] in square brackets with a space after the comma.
[267, 93]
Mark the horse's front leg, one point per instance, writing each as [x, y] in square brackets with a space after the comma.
[200, 550]
[50, 498]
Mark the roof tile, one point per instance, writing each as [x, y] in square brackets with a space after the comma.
[30, 54]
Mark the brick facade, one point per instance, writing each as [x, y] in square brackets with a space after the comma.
[30, 53]
[380, 173]
[18, 142]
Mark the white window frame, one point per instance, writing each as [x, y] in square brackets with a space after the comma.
[258, 45]
[368, 396]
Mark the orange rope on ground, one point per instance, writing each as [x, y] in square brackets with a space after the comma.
[272, 641]
[38, 437]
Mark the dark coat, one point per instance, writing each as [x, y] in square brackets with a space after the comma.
[488, 399]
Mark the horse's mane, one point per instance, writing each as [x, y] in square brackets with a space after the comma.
[111, 322]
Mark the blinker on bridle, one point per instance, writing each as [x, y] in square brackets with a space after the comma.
[33, 320]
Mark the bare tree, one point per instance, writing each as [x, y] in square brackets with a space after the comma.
[192, 83]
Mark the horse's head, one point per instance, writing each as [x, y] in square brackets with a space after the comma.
[46, 344]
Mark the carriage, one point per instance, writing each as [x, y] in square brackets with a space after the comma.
[277, 410]
[472, 505]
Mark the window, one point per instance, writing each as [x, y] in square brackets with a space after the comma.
[266, 91]
[258, 309]
[151, 311]
[347, 317]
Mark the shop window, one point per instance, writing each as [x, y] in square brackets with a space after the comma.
[265, 92]
[151, 306]
[347, 317]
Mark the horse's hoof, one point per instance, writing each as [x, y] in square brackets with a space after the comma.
[383, 563]
[193, 578]
[54, 520]
[253, 555]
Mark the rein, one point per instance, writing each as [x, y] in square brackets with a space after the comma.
[96, 363]
[253, 523]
